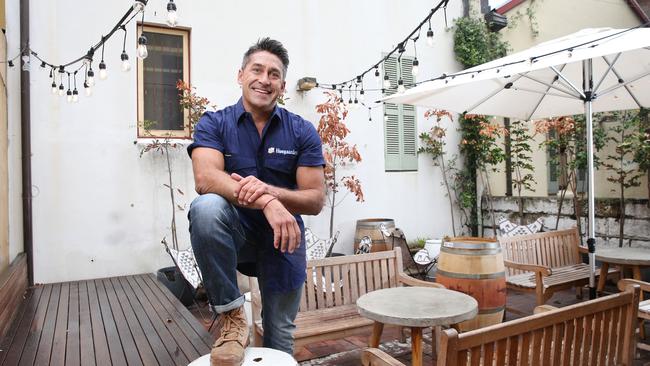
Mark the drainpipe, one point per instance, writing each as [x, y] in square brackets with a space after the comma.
[26, 143]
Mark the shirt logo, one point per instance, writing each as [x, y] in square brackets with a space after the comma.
[275, 150]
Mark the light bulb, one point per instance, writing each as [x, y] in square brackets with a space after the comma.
[61, 90]
[138, 5]
[69, 94]
[416, 67]
[88, 89]
[172, 17]
[362, 96]
[376, 72]
[430, 37]
[75, 96]
[386, 82]
[126, 66]
[142, 47]
[91, 77]
[386, 118]
[103, 73]
[54, 88]
[400, 86]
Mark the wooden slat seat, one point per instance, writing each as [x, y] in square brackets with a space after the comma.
[595, 332]
[545, 262]
[328, 304]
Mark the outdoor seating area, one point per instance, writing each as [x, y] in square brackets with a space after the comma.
[325, 183]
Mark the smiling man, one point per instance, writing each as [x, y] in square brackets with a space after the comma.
[257, 168]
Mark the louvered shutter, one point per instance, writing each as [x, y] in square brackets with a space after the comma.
[400, 123]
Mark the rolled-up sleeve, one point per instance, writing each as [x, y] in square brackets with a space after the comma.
[208, 132]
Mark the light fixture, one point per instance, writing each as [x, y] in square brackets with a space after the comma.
[126, 66]
[430, 35]
[172, 16]
[10, 63]
[139, 5]
[61, 89]
[69, 92]
[88, 59]
[376, 71]
[54, 88]
[90, 77]
[307, 83]
[385, 117]
[75, 96]
[386, 81]
[142, 47]
[416, 67]
[362, 96]
[43, 66]
[103, 73]
[88, 89]
[400, 86]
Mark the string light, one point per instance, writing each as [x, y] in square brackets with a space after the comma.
[416, 67]
[69, 92]
[172, 17]
[61, 87]
[10, 63]
[430, 35]
[386, 81]
[90, 77]
[54, 88]
[87, 87]
[103, 73]
[75, 93]
[142, 52]
[400, 86]
[139, 5]
[126, 66]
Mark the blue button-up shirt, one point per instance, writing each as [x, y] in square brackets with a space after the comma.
[287, 142]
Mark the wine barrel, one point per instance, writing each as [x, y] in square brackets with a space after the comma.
[371, 228]
[475, 267]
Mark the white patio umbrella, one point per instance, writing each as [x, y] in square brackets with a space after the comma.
[593, 70]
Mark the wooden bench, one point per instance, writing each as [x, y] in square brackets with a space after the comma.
[545, 262]
[328, 305]
[596, 332]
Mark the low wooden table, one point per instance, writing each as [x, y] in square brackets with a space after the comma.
[417, 308]
[256, 356]
[633, 258]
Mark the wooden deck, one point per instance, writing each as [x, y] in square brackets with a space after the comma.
[130, 320]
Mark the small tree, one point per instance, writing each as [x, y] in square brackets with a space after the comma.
[434, 144]
[522, 162]
[337, 152]
[620, 164]
[195, 107]
[642, 146]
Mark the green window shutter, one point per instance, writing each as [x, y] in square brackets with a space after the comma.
[400, 121]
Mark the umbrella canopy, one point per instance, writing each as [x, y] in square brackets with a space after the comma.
[594, 70]
[547, 80]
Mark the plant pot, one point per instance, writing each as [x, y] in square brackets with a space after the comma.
[172, 278]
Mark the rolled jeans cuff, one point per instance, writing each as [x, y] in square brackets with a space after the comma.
[237, 303]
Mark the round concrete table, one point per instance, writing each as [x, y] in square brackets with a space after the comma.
[256, 356]
[633, 258]
[417, 308]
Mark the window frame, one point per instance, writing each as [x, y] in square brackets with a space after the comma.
[186, 132]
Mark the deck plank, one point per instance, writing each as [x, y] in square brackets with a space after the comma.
[130, 320]
[146, 333]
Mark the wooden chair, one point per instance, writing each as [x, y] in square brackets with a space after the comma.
[397, 239]
[595, 332]
[644, 307]
[544, 263]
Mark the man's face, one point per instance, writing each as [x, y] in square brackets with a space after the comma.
[261, 81]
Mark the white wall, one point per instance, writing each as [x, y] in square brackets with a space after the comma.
[12, 13]
[100, 210]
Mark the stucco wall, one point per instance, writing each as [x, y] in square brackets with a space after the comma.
[100, 210]
[4, 158]
[556, 18]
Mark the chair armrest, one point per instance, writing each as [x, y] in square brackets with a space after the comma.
[622, 284]
[377, 357]
[544, 270]
[543, 309]
[410, 281]
[582, 249]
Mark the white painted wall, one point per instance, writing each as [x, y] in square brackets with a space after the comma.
[100, 210]
[12, 13]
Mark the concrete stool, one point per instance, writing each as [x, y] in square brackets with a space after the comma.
[256, 356]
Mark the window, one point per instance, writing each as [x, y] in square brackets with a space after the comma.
[158, 100]
[400, 132]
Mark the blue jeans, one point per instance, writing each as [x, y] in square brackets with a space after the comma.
[220, 241]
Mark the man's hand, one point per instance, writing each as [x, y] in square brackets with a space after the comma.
[286, 232]
[249, 189]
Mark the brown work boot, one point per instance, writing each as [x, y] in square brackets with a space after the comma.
[228, 350]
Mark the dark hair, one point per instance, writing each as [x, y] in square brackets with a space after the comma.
[272, 46]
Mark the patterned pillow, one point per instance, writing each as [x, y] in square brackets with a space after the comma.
[317, 248]
[509, 228]
[364, 246]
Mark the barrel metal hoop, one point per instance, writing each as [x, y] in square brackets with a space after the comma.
[470, 252]
[474, 246]
[472, 276]
[494, 310]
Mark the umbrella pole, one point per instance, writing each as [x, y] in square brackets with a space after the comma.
[591, 238]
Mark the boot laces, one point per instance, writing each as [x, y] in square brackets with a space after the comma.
[234, 326]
